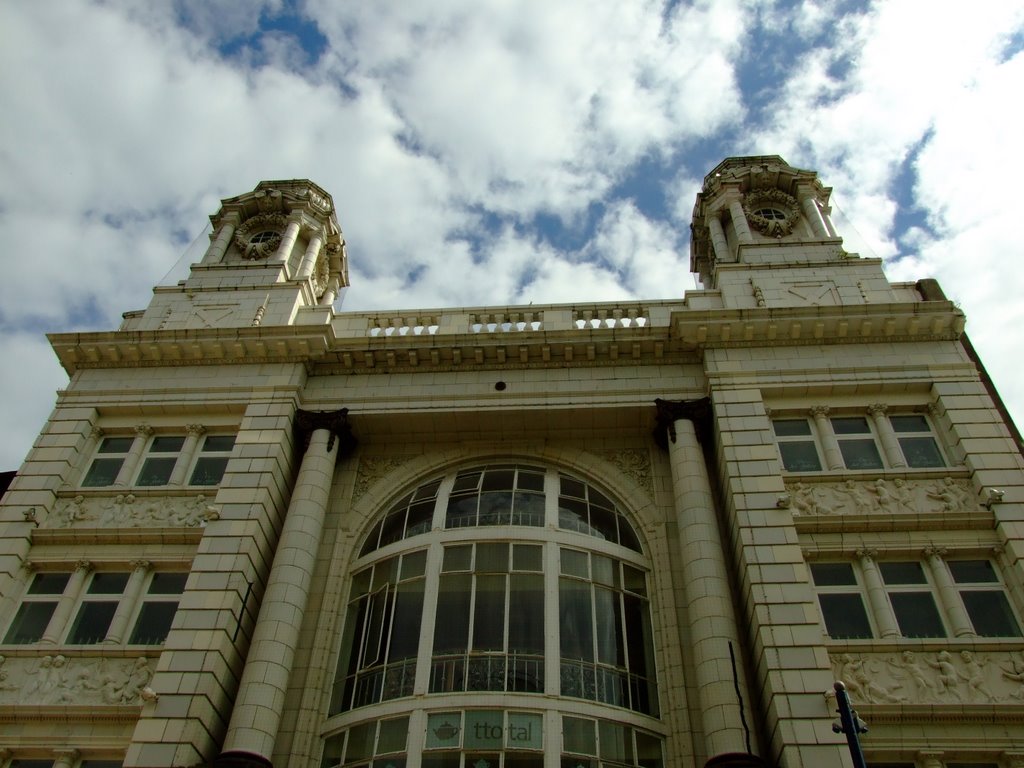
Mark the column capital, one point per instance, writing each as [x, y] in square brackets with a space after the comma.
[336, 422]
[143, 430]
[670, 411]
[934, 552]
[195, 429]
[96, 432]
[140, 565]
[878, 409]
[84, 565]
[818, 410]
[867, 554]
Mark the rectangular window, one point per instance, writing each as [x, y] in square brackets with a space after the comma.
[37, 608]
[158, 608]
[107, 464]
[97, 608]
[910, 595]
[856, 442]
[842, 606]
[798, 442]
[916, 441]
[213, 460]
[160, 460]
[984, 598]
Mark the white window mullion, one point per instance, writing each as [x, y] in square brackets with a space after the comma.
[552, 639]
[431, 588]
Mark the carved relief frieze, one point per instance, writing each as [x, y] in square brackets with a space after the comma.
[942, 677]
[372, 469]
[881, 496]
[57, 679]
[635, 464]
[127, 510]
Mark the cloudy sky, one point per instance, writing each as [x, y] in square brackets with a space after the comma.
[494, 151]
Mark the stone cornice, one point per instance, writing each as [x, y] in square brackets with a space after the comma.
[497, 338]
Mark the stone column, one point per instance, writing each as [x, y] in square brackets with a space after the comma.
[291, 234]
[330, 293]
[718, 242]
[739, 221]
[88, 452]
[833, 456]
[15, 587]
[810, 208]
[188, 450]
[215, 253]
[948, 597]
[129, 600]
[65, 758]
[708, 597]
[259, 705]
[308, 262]
[887, 435]
[131, 461]
[878, 600]
[59, 620]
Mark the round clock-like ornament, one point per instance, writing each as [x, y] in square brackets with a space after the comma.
[771, 212]
[260, 236]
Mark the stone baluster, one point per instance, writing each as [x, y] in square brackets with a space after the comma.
[708, 599]
[129, 601]
[291, 234]
[718, 241]
[59, 620]
[188, 451]
[258, 708]
[215, 253]
[885, 618]
[887, 435]
[948, 597]
[308, 262]
[131, 461]
[833, 456]
[739, 221]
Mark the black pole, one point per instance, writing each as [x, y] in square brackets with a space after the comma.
[849, 724]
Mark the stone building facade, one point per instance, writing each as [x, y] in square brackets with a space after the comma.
[256, 531]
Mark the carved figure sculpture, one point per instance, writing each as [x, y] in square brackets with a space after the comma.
[904, 496]
[885, 498]
[1014, 670]
[805, 501]
[975, 676]
[913, 669]
[953, 498]
[948, 678]
[861, 680]
[862, 501]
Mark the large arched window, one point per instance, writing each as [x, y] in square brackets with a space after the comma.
[512, 579]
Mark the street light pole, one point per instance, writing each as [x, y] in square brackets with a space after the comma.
[849, 724]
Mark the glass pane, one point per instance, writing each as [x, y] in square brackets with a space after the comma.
[498, 480]
[108, 583]
[845, 616]
[902, 573]
[393, 528]
[156, 471]
[578, 736]
[167, 583]
[909, 423]
[166, 444]
[427, 491]
[489, 614]
[360, 742]
[800, 456]
[393, 735]
[457, 558]
[604, 570]
[451, 628]
[102, 472]
[851, 425]
[496, 508]
[860, 454]
[602, 523]
[525, 731]
[973, 572]
[154, 623]
[572, 515]
[610, 643]
[990, 613]
[442, 760]
[528, 509]
[461, 511]
[492, 558]
[921, 452]
[444, 729]
[421, 517]
[92, 622]
[571, 487]
[615, 742]
[574, 563]
[648, 750]
[627, 537]
[49, 583]
[635, 580]
[575, 620]
[530, 481]
[405, 628]
[116, 445]
[468, 481]
[414, 564]
[218, 443]
[833, 574]
[484, 730]
[30, 622]
[916, 614]
[527, 557]
[526, 612]
[209, 470]
[791, 427]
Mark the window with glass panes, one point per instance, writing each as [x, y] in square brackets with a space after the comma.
[97, 608]
[159, 604]
[910, 595]
[984, 598]
[841, 600]
[489, 590]
[37, 607]
[159, 460]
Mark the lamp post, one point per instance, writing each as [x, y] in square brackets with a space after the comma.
[849, 724]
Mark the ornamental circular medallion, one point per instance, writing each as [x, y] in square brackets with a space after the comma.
[260, 236]
[771, 211]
